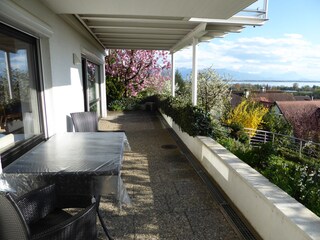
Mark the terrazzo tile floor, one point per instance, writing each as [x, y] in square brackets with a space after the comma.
[169, 199]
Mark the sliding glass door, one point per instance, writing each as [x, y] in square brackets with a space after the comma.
[19, 91]
[91, 78]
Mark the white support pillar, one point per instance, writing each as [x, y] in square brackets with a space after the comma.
[103, 92]
[194, 72]
[173, 72]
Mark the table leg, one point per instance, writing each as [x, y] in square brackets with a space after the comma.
[105, 229]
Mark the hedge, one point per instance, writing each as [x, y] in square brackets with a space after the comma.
[191, 119]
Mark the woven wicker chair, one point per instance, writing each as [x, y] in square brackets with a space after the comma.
[85, 121]
[38, 215]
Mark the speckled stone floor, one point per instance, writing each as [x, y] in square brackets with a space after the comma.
[169, 200]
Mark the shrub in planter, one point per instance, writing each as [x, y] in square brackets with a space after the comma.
[301, 181]
[241, 150]
[219, 132]
[191, 119]
[124, 104]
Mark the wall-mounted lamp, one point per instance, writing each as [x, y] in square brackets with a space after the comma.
[76, 60]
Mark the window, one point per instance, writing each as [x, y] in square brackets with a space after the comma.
[20, 118]
[91, 73]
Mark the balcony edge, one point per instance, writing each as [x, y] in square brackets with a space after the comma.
[271, 212]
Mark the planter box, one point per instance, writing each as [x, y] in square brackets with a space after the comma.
[272, 212]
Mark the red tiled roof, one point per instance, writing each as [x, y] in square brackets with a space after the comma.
[268, 98]
[272, 96]
[235, 100]
[301, 98]
[304, 116]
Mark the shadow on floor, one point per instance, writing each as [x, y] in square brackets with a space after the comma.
[169, 200]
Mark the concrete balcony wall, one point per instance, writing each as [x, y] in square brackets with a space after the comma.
[271, 211]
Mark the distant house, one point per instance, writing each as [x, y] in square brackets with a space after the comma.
[236, 99]
[302, 98]
[267, 98]
[304, 116]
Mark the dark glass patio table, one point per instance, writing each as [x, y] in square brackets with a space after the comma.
[78, 163]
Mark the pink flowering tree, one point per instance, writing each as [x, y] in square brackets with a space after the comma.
[138, 70]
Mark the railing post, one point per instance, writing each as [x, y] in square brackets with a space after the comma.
[265, 137]
[273, 136]
[300, 150]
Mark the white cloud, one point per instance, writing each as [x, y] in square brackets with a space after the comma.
[293, 35]
[290, 53]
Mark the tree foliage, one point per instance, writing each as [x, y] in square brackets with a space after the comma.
[114, 88]
[138, 69]
[248, 114]
[191, 119]
[276, 123]
[213, 92]
[180, 83]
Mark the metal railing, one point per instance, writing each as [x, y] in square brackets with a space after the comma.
[259, 9]
[303, 147]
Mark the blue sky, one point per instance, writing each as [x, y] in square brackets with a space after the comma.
[18, 60]
[288, 44]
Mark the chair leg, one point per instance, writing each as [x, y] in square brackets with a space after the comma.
[105, 229]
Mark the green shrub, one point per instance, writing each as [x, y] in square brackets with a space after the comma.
[124, 104]
[219, 132]
[114, 88]
[236, 147]
[237, 132]
[282, 173]
[144, 99]
[276, 123]
[298, 176]
[294, 156]
[257, 157]
[301, 182]
[191, 119]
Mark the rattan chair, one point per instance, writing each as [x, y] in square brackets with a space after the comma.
[38, 215]
[85, 121]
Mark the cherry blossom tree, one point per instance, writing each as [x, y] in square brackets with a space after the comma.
[138, 70]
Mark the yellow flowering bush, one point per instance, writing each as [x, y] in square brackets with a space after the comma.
[248, 114]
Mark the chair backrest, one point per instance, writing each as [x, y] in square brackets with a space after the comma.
[85, 121]
[12, 223]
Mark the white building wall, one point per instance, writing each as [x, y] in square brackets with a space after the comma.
[63, 87]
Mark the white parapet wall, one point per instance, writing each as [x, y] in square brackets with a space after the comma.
[270, 211]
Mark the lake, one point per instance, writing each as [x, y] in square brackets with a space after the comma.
[277, 82]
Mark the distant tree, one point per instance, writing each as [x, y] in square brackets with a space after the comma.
[180, 83]
[20, 90]
[247, 114]
[213, 92]
[316, 93]
[295, 86]
[138, 69]
[306, 88]
[276, 123]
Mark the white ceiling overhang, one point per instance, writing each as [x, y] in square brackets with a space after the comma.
[153, 24]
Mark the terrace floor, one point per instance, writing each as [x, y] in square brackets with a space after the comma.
[169, 199]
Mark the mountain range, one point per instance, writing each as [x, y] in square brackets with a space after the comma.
[241, 76]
